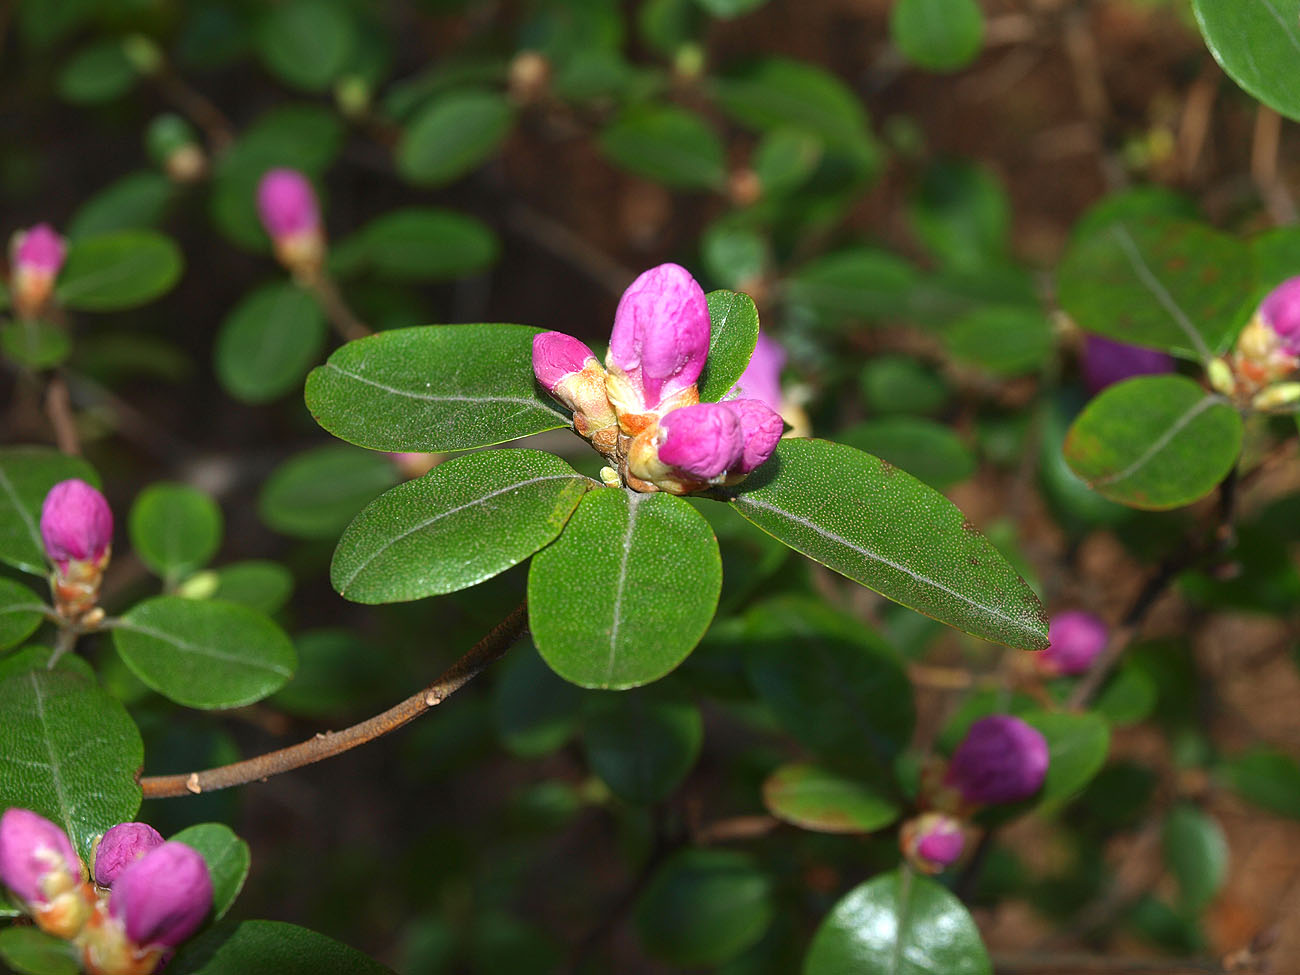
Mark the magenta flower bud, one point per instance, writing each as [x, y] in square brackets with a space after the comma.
[761, 379]
[760, 429]
[120, 847]
[37, 860]
[1076, 640]
[286, 203]
[76, 524]
[573, 375]
[1001, 759]
[1106, 362]
[162, 898]
[660, 339]
[1280, 311]
[932, 842]
[556, 357]
[705, 440]
[40, 250]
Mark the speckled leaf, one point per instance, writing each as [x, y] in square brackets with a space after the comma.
[626, 592]
[642, 745]
[1160, 282]
[446, 387]
[1154, 442]
[68, 751]
[316, 493]
[733, 334]
[124, 269]
[21, 612]
[269, 948]
[228, 859]
[898, 924]
[1257, 43]
[204, 653]
[26, 476]
[818, 799]
[463, 522]
[175, 529]
[885, 529]
[268, 342]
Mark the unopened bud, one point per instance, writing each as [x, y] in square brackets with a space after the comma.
[760, 429]
[1221, 378]
[745, 187]
[688, 62]
[1106, 362]
[1268, 348]
[39, 865]
[286, 203]
[120, 847]
[77, 529]
[932, 842]
[162, 898]
[1077, 638]
[570, 372]
[689, 448]
[413, 464]
[1001, 759]
[174, 145]
[1277, 396]
[143, 53]
[530, 76]
[352, 94]
[36, 256]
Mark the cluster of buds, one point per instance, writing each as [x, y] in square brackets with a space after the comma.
[35, 257]
[1076, 638]
[286, 203]
[77, 529]
[148, 895]
[1267, 352]
[642, 411]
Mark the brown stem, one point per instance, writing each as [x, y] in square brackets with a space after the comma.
[58, 407]
[344, 320]
[555, 238]
[328, 744]
[200, 109]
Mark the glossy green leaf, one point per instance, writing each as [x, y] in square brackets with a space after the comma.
[534, 710]
[452, 134]
[939, 35]
[1256, 42]
[668, 145]
[1001, 341]
[29, 951]
[732, 336]
[900, 923]
[829, 680]
[417, 244]
[1154, 442]
[21, 612]
[1196, 853]
[704, 907]
[929, 451]
[36, 657]
[959, 210]
[175, 529]
[26, 476]
[268, 342]
[858, 284]
[228, 859]
[137, 201]
[883, 528]
[642, 745]
[69, 752]
[257, 583]
[445, 387]
[306, 43]
[1266, 778]
[36, 345]
[203, 653]
[899, 384]
[316, 493]
[463, 522]
[1077, 746]
[269, 948]
[1159, 282]
[98, 72]
[113, 272]
[818, 799]
[626, 591]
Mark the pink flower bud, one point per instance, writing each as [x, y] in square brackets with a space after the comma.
[660, 339]
[761, 379]
[1280, 311]
[556, 357]
[1106, 362]
[570, 372]
[1077, 638]
[76, 524]
[120, 847]
[760, 429]
[40, 249]
[37, 861]
[1001, 759]
[286, 203]
[932, 842]
[162, 898]
[704, 441]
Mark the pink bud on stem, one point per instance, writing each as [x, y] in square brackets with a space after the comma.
[40, 867]
[1001, 759]
[37, 257]
[77, 529]
[932, 842]
[286, 203]
[120, 847]
[570, 372]
[1077, 638]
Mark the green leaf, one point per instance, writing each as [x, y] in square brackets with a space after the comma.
[704, 907]
[175, 529]
[535, 711]
[818, 799]
[257, 583]
[1266, 778]
[203, 653]
[306, 43]
[120, 270]
[829, 680]
[417, 244]
[729, 9]
[1196, 853]
[430, 388]
[36, 345]
[228, 859]
[1256, 42]
[642, 745]
[1003, 341]
[1159, 282]
[268, 342]
[32, 952]
[26, 476]
[1154, 442]
[900, 384]
[1128, 697]
[925, 449]
[451, 135]
[97, 73]
[626, 592]
[465, 521]
[858, 283]
[1077, 746]
[959, 210]
[733, 334]
[316, 493]
[733, 252]
[668, 145]
[898, 924]
[36, 657]
[269, 948]
[69, 752]
[137, 201]
[885, 529]
[337, 674]
[784, 159]
[939, 35]
[21, 612]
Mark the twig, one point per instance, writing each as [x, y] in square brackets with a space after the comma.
[201, 110]
[341, 316]
[58, 407]
[1263, 166]
[736, 828]
[328, 744]
[557, 239]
